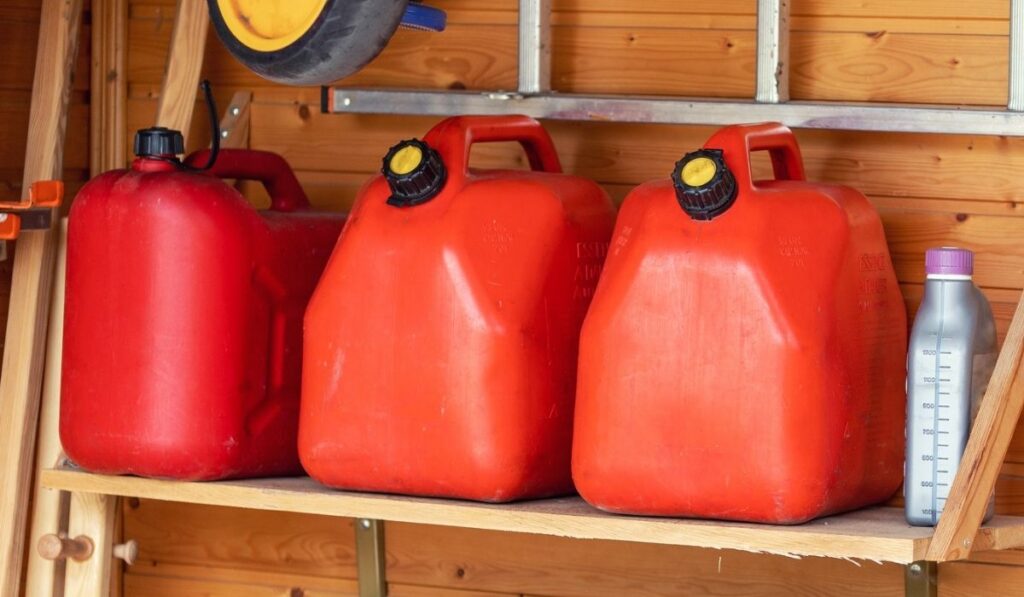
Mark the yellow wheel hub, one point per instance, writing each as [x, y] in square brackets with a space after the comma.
[269, 25]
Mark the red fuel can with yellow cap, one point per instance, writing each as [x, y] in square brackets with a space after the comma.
[744, 354]
[441, 343]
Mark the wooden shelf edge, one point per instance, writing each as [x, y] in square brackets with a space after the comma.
[875, 534]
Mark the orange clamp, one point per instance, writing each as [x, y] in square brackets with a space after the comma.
[10, 226]
[46, 193]
[43, 194]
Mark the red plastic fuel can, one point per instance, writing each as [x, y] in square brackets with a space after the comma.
[743, 357]
[183, 317]
[441, 343]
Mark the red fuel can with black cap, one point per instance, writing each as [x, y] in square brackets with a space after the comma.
[744, 354]
[183, 316]
[441, 343]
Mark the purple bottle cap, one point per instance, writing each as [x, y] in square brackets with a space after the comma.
[949, 261]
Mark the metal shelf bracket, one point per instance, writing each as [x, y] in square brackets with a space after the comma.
[370, 560]
[921, 579]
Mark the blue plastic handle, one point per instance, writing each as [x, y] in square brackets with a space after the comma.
[425, 18]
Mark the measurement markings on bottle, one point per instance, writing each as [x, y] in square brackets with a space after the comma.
[939, 430]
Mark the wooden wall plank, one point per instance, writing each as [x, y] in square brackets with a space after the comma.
[1010, 498]
[21, 30]
[142, 585]
[859, 63]
[109, 85]
[653, 61]
[946, 9]
[14, 106]
[896, 67]
[144, 581]
[714, 17]
[400, 590]
[999, 255]
[969, 579]
[218, 582]
[488, 561]
[241, 539]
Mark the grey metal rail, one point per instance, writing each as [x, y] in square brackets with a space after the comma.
[534, 96]
[857, 117]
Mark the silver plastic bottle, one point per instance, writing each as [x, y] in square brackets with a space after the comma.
[952, 354]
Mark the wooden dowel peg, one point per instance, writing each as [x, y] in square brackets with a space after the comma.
[60, 547]
[127, 551]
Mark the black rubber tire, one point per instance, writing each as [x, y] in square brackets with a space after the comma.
[346, 36]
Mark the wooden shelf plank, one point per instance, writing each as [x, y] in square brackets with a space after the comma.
[878, 534]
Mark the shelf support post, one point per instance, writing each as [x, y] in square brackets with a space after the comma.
[370, 561]
[1015, 101]
[534, 46]
[921, 579]
[92, 516]
[50, 506]
[772, 51]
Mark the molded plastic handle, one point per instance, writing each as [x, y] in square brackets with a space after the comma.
[453, 138]
[272, 170]
[737, 141]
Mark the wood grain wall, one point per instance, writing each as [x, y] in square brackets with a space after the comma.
[19, 22]
[930, 190]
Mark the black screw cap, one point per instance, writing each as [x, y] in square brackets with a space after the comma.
[414, 172]
[159, 141]
[705, 188]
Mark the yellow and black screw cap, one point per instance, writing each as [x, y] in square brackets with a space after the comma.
[705, 188]
[414, 172]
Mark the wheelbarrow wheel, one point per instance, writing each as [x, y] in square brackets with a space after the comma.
[305, 42]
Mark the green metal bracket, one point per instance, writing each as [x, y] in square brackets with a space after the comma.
[922, 579]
